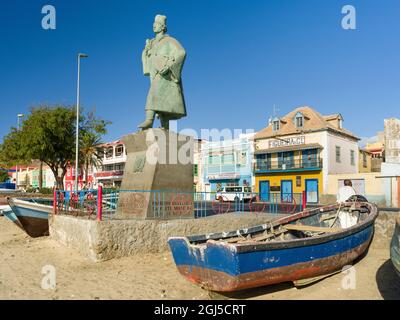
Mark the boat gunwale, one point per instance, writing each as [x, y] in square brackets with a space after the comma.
[29, 205]
[286, 244]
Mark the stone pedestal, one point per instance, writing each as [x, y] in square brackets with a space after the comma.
[158, 176]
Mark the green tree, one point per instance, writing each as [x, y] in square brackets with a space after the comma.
[48, 135]
[91, 154]
[3, 175]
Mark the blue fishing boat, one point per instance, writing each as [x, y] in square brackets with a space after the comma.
[300, 248]
[31, 215]
[10, 215]
[4, 208]
[395, 247]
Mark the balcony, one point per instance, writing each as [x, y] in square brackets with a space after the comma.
[115, 174]
[288, 165]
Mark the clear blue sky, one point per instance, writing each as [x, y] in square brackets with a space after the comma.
[242, 58]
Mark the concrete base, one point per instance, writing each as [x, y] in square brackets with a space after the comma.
[104, 240]
[157, 160]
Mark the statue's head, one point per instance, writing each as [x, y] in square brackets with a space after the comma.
[160, 24]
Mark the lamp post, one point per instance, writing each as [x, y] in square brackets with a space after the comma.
[20, 115]
[80, 55]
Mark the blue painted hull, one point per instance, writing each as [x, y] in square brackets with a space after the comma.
[218, 265]
[10, 215]
[32, 217]
[395, 248]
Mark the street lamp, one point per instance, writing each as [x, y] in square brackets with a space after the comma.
[80, 55]
[20, 115]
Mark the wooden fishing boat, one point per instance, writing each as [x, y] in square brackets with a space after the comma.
[4, 208]
[300, 248]
[30, 214]
[395, 247]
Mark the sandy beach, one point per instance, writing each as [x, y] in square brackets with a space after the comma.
[154, 276]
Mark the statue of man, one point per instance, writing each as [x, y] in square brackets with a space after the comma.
[163, 59]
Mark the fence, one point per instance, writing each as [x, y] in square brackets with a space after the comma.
[105, 203]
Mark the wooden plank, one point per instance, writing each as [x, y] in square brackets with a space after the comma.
[300, 227]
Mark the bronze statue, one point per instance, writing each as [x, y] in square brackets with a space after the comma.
[163, 59]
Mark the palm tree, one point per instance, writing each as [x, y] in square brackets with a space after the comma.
[91, 153]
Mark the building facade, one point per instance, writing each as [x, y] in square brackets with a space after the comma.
[365, 161]
[111, 170]
[198, 181]
[391, 166]
[296, 153]
[227, 163]
[28, 176]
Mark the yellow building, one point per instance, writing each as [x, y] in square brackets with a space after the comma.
[295, 153]
[365, 161]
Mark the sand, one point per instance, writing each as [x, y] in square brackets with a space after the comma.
[154, 276]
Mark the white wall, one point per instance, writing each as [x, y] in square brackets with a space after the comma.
[345, 146]
[391, 185]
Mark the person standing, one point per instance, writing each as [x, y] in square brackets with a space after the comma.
[346, 219]
[346, 191]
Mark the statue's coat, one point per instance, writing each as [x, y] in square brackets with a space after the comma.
[166, 93]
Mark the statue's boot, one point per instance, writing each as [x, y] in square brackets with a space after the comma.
[164, 119]
[148, 123]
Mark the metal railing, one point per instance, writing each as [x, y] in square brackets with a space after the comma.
[288, 164]
[81, 203]
[105, 204]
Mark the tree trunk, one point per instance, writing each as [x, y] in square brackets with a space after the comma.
[41, 175]
[86, 172]
[59, 179]
[60, 183]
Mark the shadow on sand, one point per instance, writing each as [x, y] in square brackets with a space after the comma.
[260, 291]
[251, 293]
[388, 281]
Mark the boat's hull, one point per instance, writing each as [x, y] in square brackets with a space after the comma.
[225, 267]
[395, 248]
[4, 207]
[31, 217]
[10, 215]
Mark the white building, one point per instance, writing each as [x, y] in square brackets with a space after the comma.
[390, 169]
[110, 173]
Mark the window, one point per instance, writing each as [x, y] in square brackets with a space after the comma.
[276, 125]
[108, 167]
[119, 150]
[109, 152]
[298, 181]
[299, 121]
[364, 160]
[196, 170]
[352, 160]
[214, 160]
[338, 154]
[119, 167]
[228, 159]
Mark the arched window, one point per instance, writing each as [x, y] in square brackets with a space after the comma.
[119, 150]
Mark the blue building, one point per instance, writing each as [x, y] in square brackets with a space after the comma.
[228, 163]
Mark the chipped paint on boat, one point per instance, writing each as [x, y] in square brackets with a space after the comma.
[222, 266]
